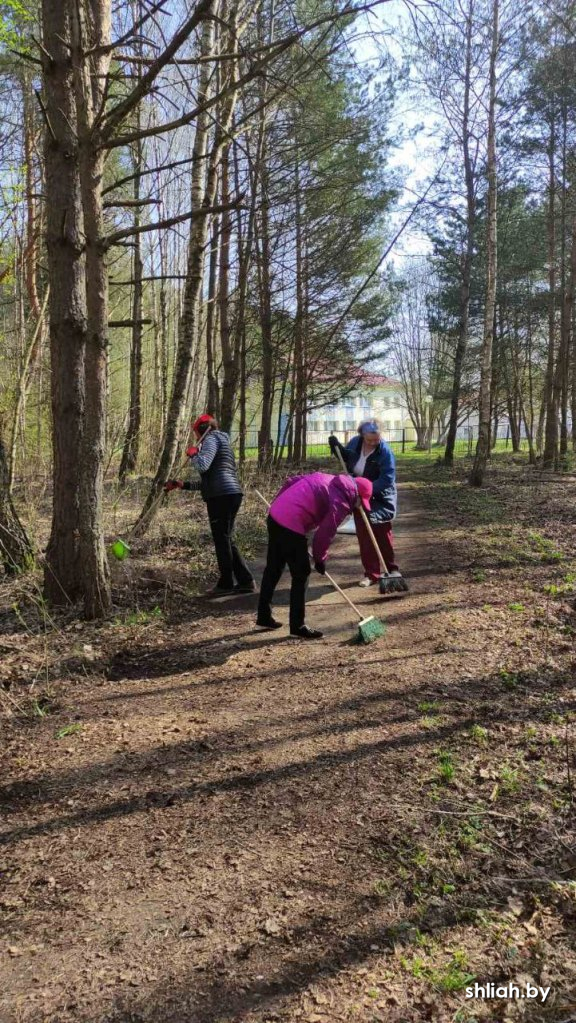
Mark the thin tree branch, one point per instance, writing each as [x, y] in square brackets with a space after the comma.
[157, 225]
[117, 114]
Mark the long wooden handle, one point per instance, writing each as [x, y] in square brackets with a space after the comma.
[367, 523]
[329, 577]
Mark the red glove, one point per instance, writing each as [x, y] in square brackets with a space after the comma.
[192, 451]
[172, 485]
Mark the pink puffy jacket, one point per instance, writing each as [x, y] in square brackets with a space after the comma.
[317, 501]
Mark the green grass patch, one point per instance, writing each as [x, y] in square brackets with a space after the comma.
[73, 729]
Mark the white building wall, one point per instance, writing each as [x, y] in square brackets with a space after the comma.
[380, 403]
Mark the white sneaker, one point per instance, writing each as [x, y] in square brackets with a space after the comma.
[366, 581]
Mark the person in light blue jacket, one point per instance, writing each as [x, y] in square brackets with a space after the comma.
[369, 456]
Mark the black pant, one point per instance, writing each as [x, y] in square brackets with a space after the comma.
[285, 547]
[222, 512]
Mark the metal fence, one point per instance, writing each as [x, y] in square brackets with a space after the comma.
[403, 441]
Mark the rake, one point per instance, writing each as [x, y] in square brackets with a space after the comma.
[370, 628]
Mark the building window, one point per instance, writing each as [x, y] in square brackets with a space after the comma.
[349, 424]
[398, 425]
[387, 424]
[314, 425]
[330, 424]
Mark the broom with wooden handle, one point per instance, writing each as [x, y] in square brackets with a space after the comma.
[370, 628]
[387, 583]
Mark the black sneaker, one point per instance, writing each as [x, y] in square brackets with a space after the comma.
[305, 633]
[220, 591]
[268, 623]
[245, 587]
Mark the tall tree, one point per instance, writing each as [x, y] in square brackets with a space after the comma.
[485, 404]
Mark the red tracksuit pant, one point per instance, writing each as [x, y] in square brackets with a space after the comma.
[383, 534]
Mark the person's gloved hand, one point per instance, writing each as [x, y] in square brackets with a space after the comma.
[191, 451]
[333, 443]
[172, 485]
[320, 567]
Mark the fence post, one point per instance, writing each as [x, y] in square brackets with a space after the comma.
[470, 431]
[507, 434]
[403, 439]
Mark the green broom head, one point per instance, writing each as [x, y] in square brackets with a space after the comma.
[370, 629]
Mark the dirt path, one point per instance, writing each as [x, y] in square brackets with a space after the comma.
[228, 837]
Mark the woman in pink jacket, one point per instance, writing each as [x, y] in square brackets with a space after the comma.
[305, 503]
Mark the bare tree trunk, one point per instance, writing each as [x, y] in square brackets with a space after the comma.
[497, 355]
[568, 321]
[213, 396]
[66, 268]
[132, 440]
[467, 262]
[192, 291]
[298, 451]
[564, 351]
[549, 410]
[32, 232]
[204, 185]
[228, 354]
[90, 28]
[242, 403]
[265, 431]
[31, 358]
[232, 367]
[164, 326]
[265, 444]
[15, 549]
[483, 445]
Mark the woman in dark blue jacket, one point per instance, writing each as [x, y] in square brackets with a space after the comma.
[369, 456]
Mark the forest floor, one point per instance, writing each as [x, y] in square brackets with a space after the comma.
[211, 825]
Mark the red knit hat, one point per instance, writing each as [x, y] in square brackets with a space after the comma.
[206, 421]
[364, 488]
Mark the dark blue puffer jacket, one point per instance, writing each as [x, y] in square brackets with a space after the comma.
[217, 467]
[380, 469]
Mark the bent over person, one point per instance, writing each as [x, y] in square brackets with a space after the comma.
[368, 455]
[220, 487]
[316, 502]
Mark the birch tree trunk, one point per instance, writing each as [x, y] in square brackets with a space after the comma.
[299, 399]
[485, 410]
[132, 440]
[226, 346]
[548, 425]
[213, 391]
[467, 261]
